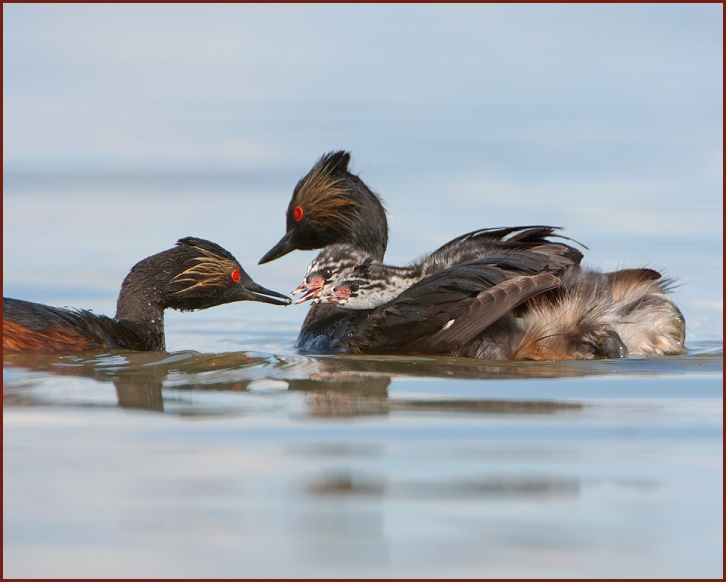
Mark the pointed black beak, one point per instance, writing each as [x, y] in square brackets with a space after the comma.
[281, 248]
[257, 292]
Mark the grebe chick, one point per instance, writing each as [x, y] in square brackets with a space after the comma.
[338, 269]
[331, 205]
[194, 274]
[333, 263]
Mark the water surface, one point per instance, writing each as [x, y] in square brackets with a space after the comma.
[256, 464]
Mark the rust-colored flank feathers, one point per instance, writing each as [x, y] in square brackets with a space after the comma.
[18, 338]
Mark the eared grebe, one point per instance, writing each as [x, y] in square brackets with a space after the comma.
[590, 313]
[541, 309]
[194, 274]
[330, 205]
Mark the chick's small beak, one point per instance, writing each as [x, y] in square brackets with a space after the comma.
[304, 286]
[334, 296]
[310, 291]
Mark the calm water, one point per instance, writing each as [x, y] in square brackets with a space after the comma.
[254, 464]
[231, 455]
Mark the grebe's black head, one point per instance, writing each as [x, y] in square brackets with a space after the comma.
[330, 205]
[208, 275]
[195, 274]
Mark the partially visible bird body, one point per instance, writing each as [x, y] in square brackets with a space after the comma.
[366, 283]
[449, 308]
[576, 315]
[591, 313]
[195, 274]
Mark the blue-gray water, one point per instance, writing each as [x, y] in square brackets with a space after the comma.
[128, 127]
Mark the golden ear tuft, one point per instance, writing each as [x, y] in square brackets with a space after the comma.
[324, 198]
[208, 270]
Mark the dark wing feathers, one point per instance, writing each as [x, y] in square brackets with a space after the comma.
[489, 306]
[40, 317]
[473, 295]
[491, 241]
[522, 234]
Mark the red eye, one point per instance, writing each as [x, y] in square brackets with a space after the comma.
[298, 213]
[235, 275]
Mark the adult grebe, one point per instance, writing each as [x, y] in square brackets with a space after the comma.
[194, 274]
[331, 205]
[341, 209]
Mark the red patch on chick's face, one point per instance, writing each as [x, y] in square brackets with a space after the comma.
[337, 295]
[342, 293]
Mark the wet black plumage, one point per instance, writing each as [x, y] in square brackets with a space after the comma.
[194, 274]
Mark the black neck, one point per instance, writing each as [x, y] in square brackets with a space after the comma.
[371, 228]
[140, 305]
[143, 336]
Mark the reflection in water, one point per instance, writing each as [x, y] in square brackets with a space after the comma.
[334, 386]
[412, 480]
[342, 517]
[330, 403]
[343, 483]
[344, 513]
